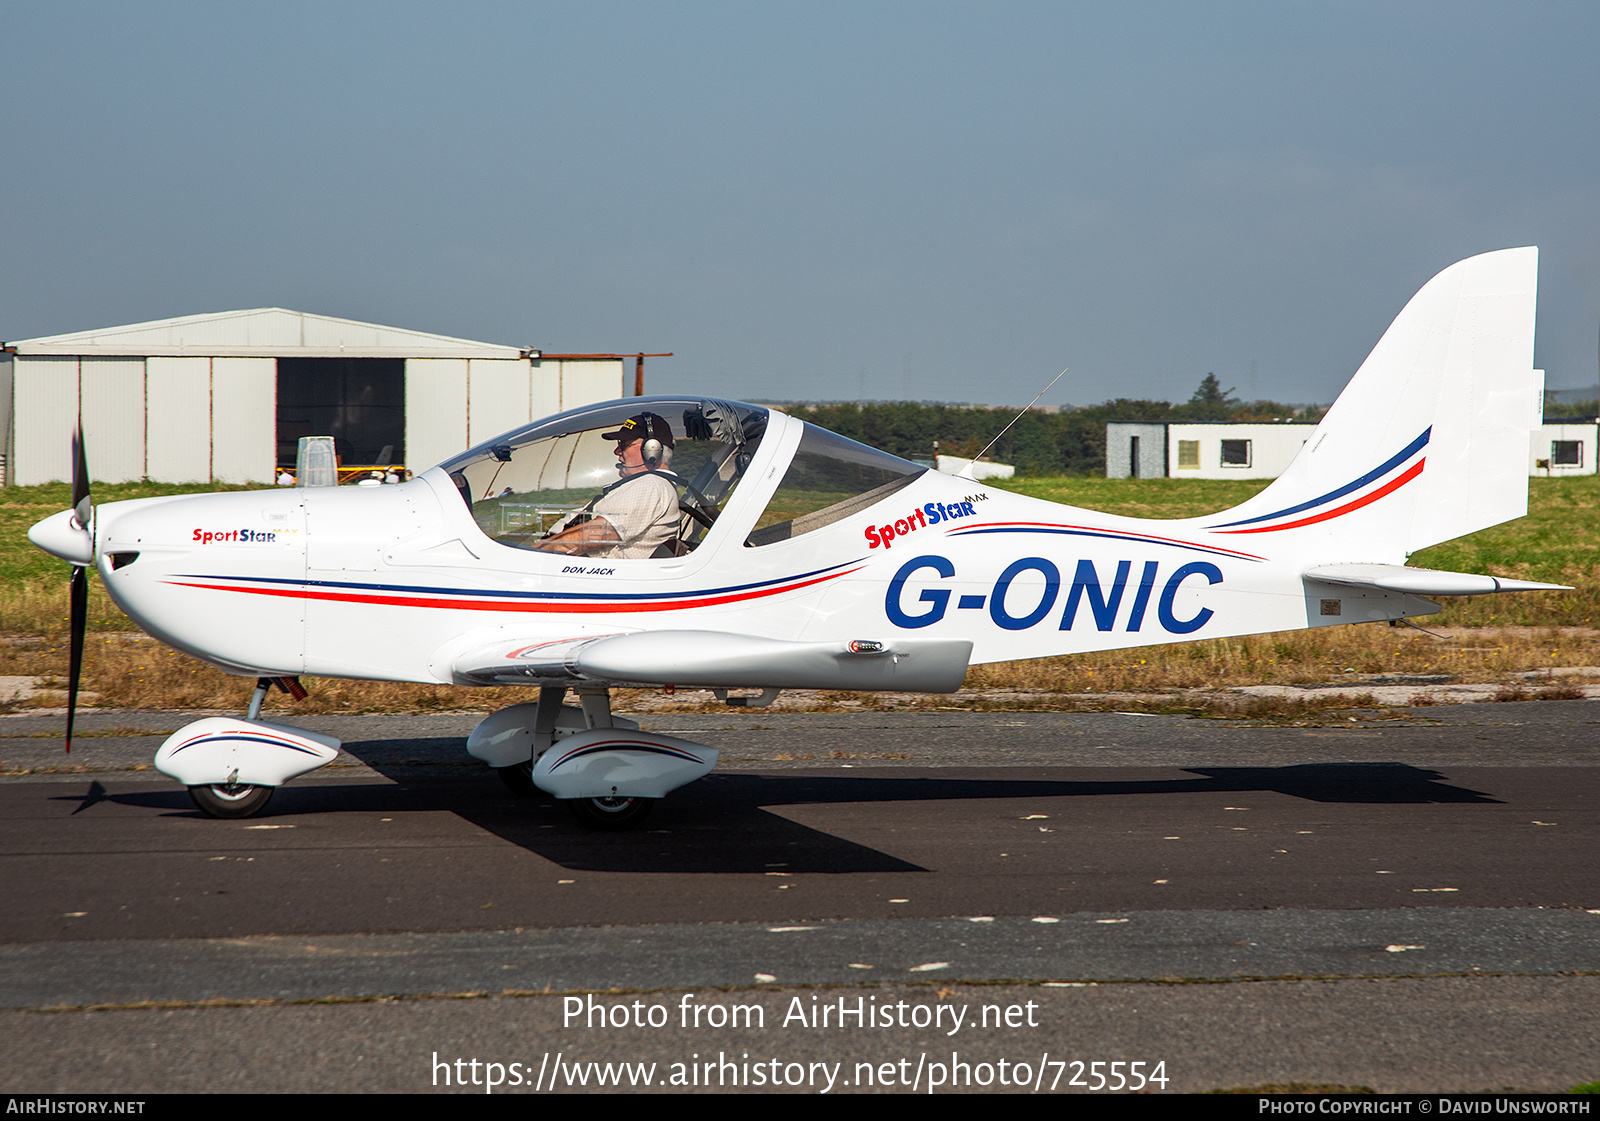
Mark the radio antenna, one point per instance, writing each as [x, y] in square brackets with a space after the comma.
[966, 472]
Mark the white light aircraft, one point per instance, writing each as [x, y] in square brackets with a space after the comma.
[794, 559]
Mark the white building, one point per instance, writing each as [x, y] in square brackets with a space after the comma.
[980, 468]
[1234, 451]
[1562, 449]
[1202, 451]
[225, 397]
[1264, 451]
[1136, 450]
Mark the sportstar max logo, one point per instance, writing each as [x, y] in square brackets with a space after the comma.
[234, 536]
[931, 513]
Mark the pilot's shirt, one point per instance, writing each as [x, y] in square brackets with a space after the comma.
[643, 509]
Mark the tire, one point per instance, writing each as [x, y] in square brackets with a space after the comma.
[237, 800]
[611, 813]
[519, 779]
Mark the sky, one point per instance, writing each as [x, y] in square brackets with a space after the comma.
[817, 201]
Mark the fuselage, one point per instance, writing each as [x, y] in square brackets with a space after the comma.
[391, 582]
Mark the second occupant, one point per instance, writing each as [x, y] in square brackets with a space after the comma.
[638, 513]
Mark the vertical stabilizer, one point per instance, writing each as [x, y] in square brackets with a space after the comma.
[1428, 441]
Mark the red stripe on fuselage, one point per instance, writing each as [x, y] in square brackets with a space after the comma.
[555, 607]
[1387, 488]
[1121, 534]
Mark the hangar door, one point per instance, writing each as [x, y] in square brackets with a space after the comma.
[360, 402]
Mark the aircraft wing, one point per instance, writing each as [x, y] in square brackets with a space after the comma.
[1422, 581]
[509, 658]
[715, 659]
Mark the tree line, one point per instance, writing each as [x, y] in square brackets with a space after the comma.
[1069, 442]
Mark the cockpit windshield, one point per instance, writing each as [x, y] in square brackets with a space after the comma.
[644, 477]
[830, 478]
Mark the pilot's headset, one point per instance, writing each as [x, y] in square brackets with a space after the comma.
[653, 449]
[650, 452]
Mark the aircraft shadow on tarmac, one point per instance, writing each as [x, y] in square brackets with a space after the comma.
[725, 822]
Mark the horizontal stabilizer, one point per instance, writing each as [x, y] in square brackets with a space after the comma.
[1422, 581]
[711, 659]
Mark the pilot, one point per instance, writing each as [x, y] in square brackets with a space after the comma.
[638, 513]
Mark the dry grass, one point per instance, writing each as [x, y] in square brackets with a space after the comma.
[37, 605]
[133, 671]
[1302, 658]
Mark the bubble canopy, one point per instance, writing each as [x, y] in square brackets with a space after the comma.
[521, 484]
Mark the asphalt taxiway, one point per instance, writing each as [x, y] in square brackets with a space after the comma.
[1444, 857]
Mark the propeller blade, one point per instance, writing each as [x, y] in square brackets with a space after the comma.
[82, 509]
[83, 512]
[79, 623]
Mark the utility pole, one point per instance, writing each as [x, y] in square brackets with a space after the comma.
[638, 370]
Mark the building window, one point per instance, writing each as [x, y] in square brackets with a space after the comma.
[1566, 453]
[1236, 453]
[1188, 455]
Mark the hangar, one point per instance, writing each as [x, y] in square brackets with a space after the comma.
[225, 397]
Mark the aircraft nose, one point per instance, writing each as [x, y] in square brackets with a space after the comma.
[60, 535]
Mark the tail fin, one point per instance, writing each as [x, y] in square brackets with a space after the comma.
[1429, 440]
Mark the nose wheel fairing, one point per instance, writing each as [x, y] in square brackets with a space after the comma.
[229, 751]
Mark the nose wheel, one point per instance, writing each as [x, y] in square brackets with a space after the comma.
[610, 813]
[234, 799]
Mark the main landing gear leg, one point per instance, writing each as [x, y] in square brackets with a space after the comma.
[519, 776]
[596, 701]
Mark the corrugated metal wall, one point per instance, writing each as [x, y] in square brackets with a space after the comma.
[44, 413]
[113, 418]
[498, 395]
[454, 403]
[196, 420]
[544, 389]
[584, 383]
[436, 410]
[244, 415]
[178, 419]
[6, 382]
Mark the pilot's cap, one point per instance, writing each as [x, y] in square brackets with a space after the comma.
[642, 426]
